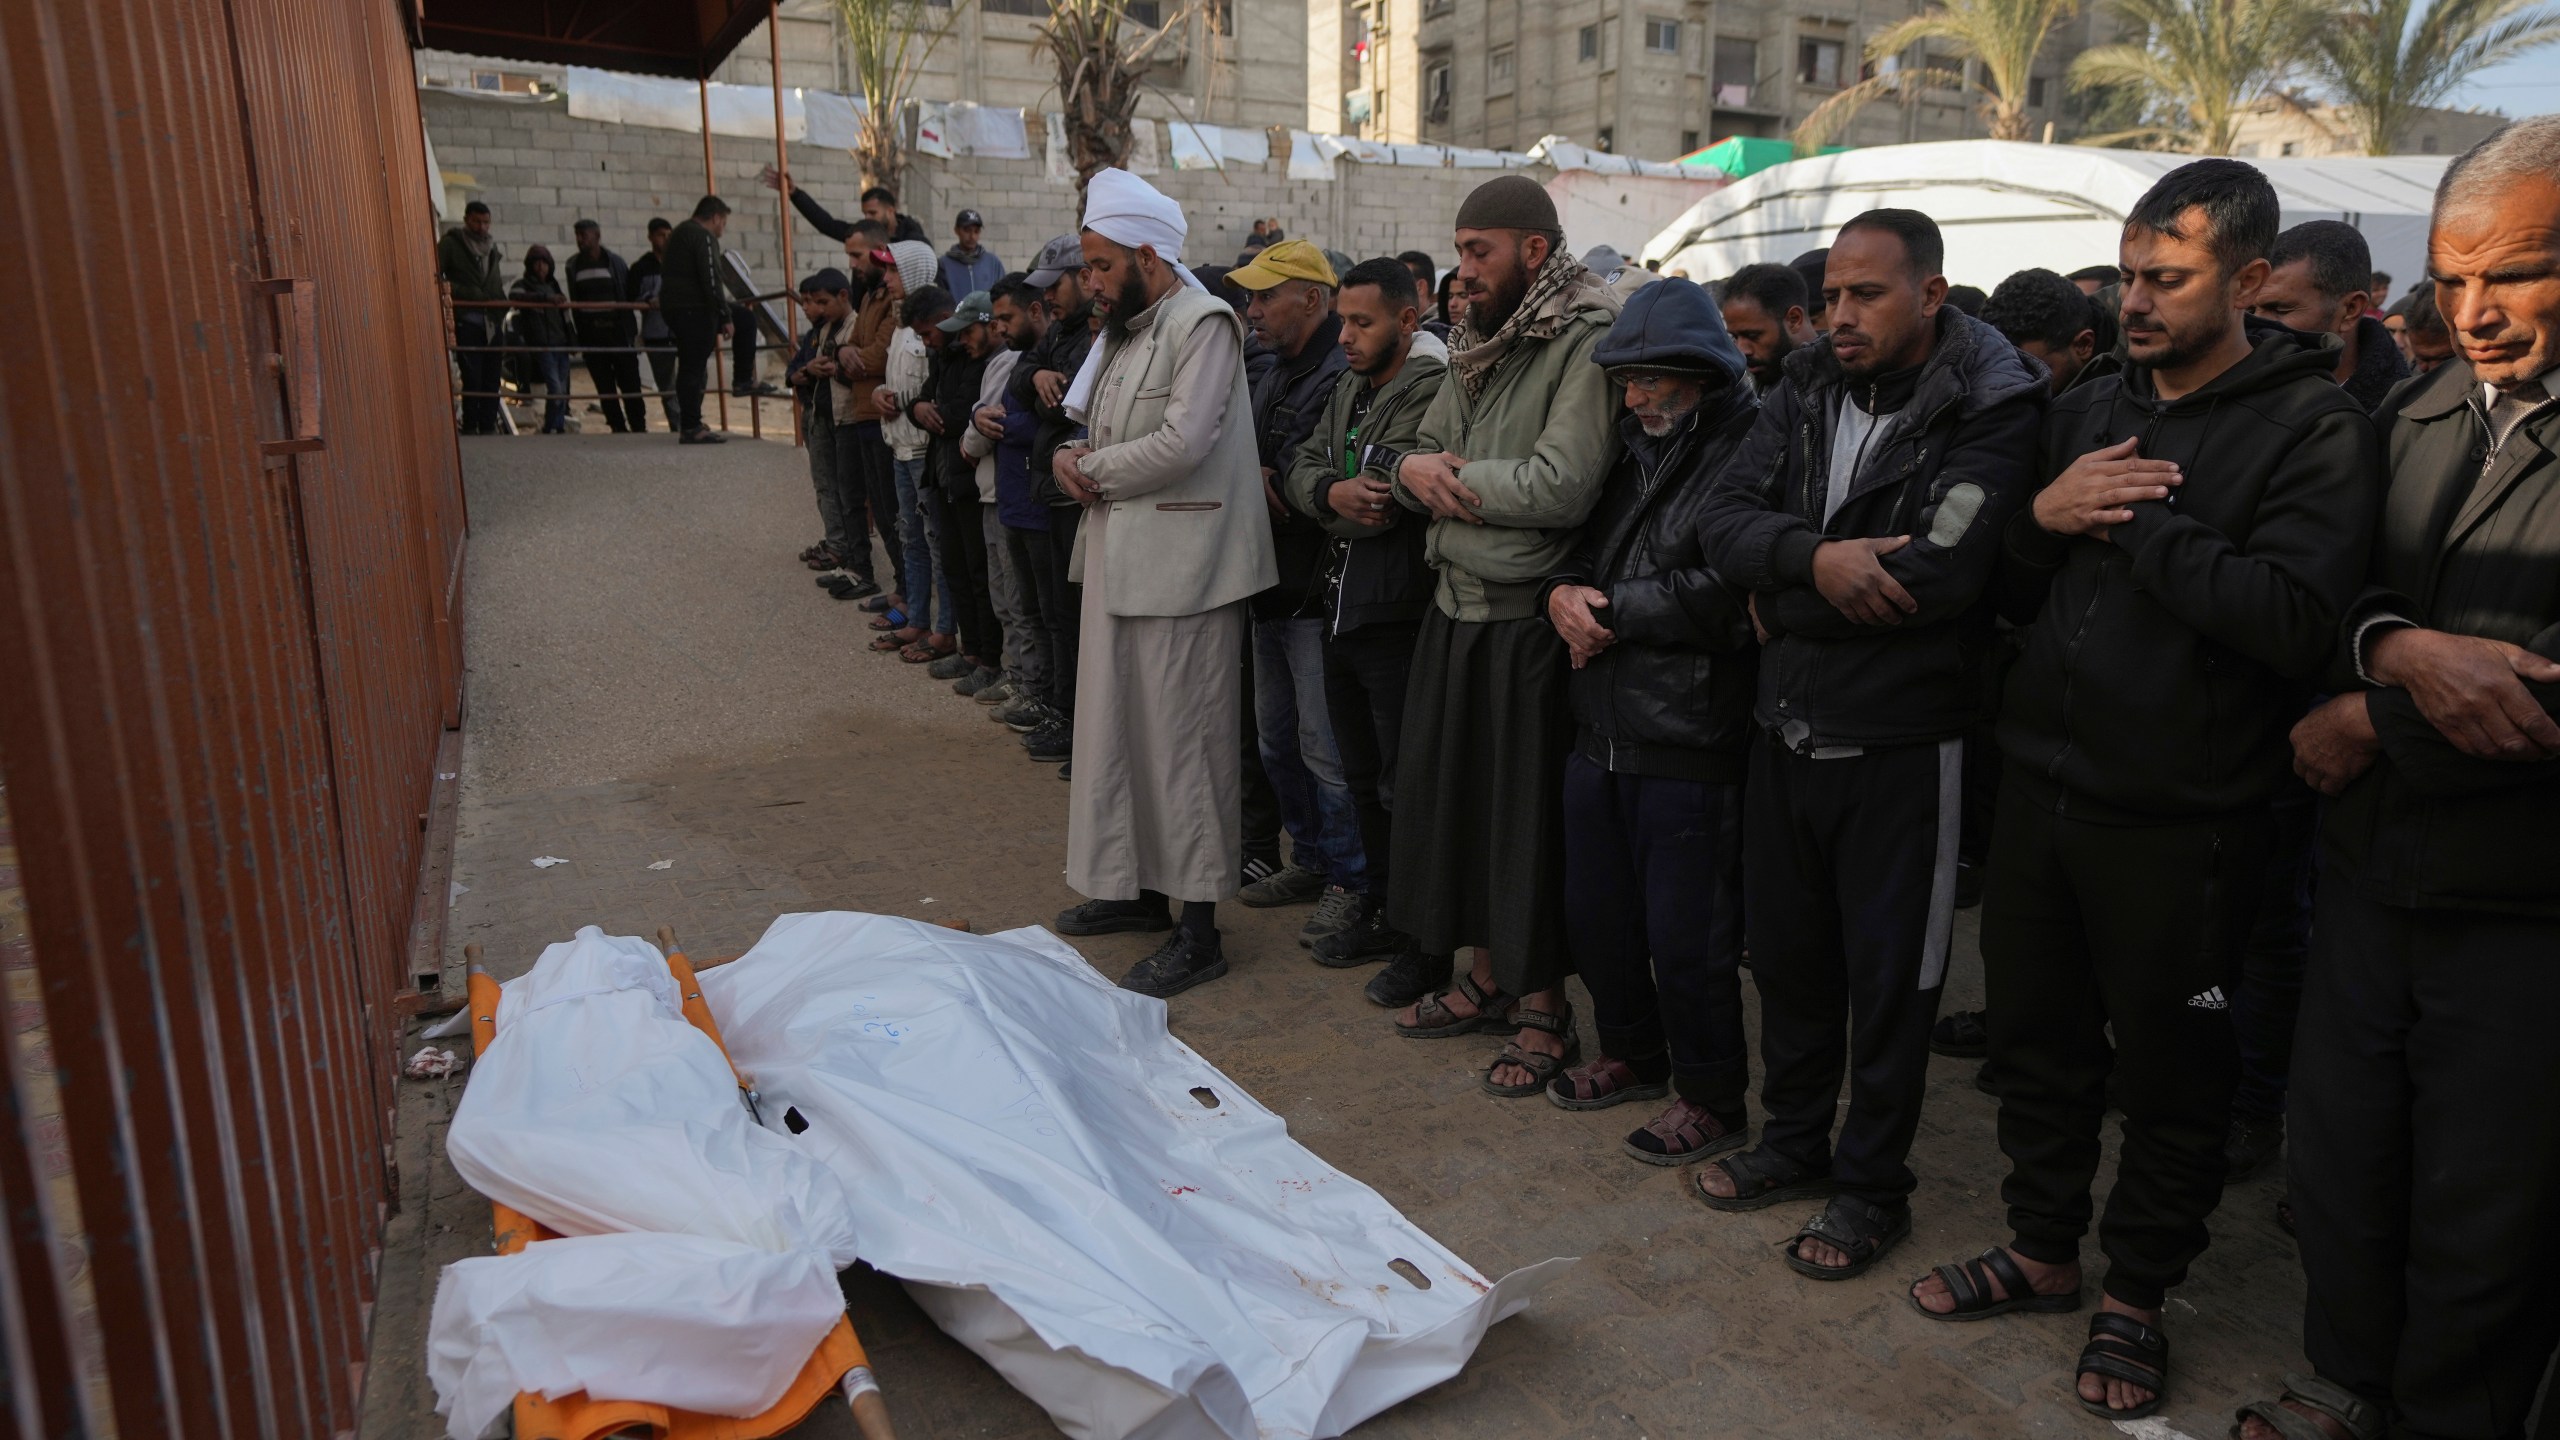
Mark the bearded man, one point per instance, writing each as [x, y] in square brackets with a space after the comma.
[1508, 461]
[1763, 310]
[1173, 542]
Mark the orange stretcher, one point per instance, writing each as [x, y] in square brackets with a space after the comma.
[838, 1364]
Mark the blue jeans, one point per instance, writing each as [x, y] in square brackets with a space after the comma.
[928, 593]
[1298, 752]
[553, 367]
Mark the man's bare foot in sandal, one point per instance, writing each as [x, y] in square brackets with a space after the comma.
[1996, 1282]
[2139, 1347]
[1538, 1036]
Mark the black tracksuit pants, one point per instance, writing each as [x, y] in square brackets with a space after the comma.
[1849, 906]
[697, 334]
[1365, 673]
[2425, 1160]
[875, 471]
[2137, 930]
[2264, 1008]
[1653, 912]
[964, 556]
[1068, 624]
[617, 381]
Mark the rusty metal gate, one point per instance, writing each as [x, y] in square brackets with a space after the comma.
[230, 562]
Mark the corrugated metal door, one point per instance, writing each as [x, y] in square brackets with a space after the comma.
[230, 543]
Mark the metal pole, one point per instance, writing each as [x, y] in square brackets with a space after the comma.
[719, 380]
[782, 165]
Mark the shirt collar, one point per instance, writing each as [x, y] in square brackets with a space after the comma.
[2548, 379]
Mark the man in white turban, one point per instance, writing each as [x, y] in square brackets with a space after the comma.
[1173, 542]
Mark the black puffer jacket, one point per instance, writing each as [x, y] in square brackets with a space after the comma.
[1948, 469]
[2165, 665]
[951, 384]
[1288, 400]
[1672, 695]
[1063, 350]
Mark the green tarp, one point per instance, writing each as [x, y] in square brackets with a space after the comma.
[1741, 155]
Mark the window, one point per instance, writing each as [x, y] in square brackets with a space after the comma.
[1500, 67]
[1586, 43]
[1608, 139]
[2035, 92]
[1149, 13]
[1737, 67]
[1661, 37]
[2426, 144]
[1688, 141]
[2291, 147]
[1015, 7]
[1435, 93]
[507, 82]
[1818, 62]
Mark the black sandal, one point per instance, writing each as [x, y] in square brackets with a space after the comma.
[2123, 1348]
[1761, 1178]
[1434, 1020]
[1542, 1068]
[2355, 1415]
[1962, 1034]
[1970, 1284]
[1865, 1231]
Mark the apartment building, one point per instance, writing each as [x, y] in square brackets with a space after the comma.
[1650, 78]
[2276, 129]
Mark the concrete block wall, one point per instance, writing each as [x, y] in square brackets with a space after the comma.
[541, 171]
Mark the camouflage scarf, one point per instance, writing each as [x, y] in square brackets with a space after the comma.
[1560, 287]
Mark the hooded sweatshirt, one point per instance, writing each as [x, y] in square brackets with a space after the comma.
[2165, 665]
[1672, 695]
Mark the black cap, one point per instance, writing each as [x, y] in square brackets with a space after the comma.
[968, 218]
[830, 281]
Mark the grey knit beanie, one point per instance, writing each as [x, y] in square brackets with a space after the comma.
[1509, 202]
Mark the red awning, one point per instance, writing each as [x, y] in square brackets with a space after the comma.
[685, 38]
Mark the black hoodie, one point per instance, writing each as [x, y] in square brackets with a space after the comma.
[1947, 467]
[2165, 665]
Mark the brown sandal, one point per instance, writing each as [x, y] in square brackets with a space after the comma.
[1543, 1068]
[1604, 1082]
[930, 649]
[1434, 1020]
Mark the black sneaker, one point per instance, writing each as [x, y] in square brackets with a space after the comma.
[1291, 884]
[1408, 978]
[1180, 963]
[855, 591]
[1335, 909]
[1960, 1033]
[1067, 771]
[1367, 940]
[2252, 1143]
[1986, 1082]
[1258, 868]
[1051, 744]
[1113, 917]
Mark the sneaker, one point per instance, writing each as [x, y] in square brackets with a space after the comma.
[1984, 1081]
[1003, 690]
[1051, 744]
[1336, 910]
[1113, 917]
[861, 587]
[1021, 714]
[951, 667]
[1043, 717]
[1292, 884]
[978, 678]
[1365, 941]
[2253, 1142]
[1960, 1033]
[1258, 868]
[1408, 978]
[1067, 771]
[1968, 884]
[1181, 962]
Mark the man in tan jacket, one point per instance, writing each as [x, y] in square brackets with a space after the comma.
[1173, 542]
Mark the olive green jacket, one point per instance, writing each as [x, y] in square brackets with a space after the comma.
[1538, 441]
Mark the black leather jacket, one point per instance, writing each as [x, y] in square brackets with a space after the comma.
[1673, 696]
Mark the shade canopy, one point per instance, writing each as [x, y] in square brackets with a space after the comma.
[2005, 205]
[686, 38]
[1744, 155]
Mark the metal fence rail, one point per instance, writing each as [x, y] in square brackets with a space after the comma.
[231, 529]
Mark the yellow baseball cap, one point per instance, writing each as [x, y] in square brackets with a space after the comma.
[1288, 260]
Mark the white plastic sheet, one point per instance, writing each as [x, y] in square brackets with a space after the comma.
[600, 1109]
[1307, 161]
[834, 120]
[1195, 147]
[1114, 1225]
[710, 1326]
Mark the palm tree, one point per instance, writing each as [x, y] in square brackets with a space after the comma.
[2204, 62]
[1100, 74]
[889, 41]
[2384, 65]
[2005, 36]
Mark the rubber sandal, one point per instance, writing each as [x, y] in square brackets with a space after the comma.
[1970, 1283]
[890, 644]
[1686, 1132]
[925, 651]
[892, 618]
[1542, 1068]
[1865, 1230]
[1604, 1082]
[1434, 1020]
[1761, 1179]
[2123, 1348]
[2357, 1416]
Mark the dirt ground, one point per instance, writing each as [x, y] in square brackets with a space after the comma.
[653, 679]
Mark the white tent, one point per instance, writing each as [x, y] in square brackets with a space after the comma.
[2005, 205]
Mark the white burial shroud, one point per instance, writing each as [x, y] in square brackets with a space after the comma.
[1105, 1218]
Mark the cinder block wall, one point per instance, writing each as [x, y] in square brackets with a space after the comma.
[540, 171]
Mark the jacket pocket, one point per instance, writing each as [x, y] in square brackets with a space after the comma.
[1189, 505]
[1156, 392]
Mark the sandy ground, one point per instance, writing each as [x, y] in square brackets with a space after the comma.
[653, 678]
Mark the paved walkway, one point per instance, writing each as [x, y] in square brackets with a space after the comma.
[652, 679]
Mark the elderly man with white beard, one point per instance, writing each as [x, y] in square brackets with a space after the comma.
[1173, 542]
